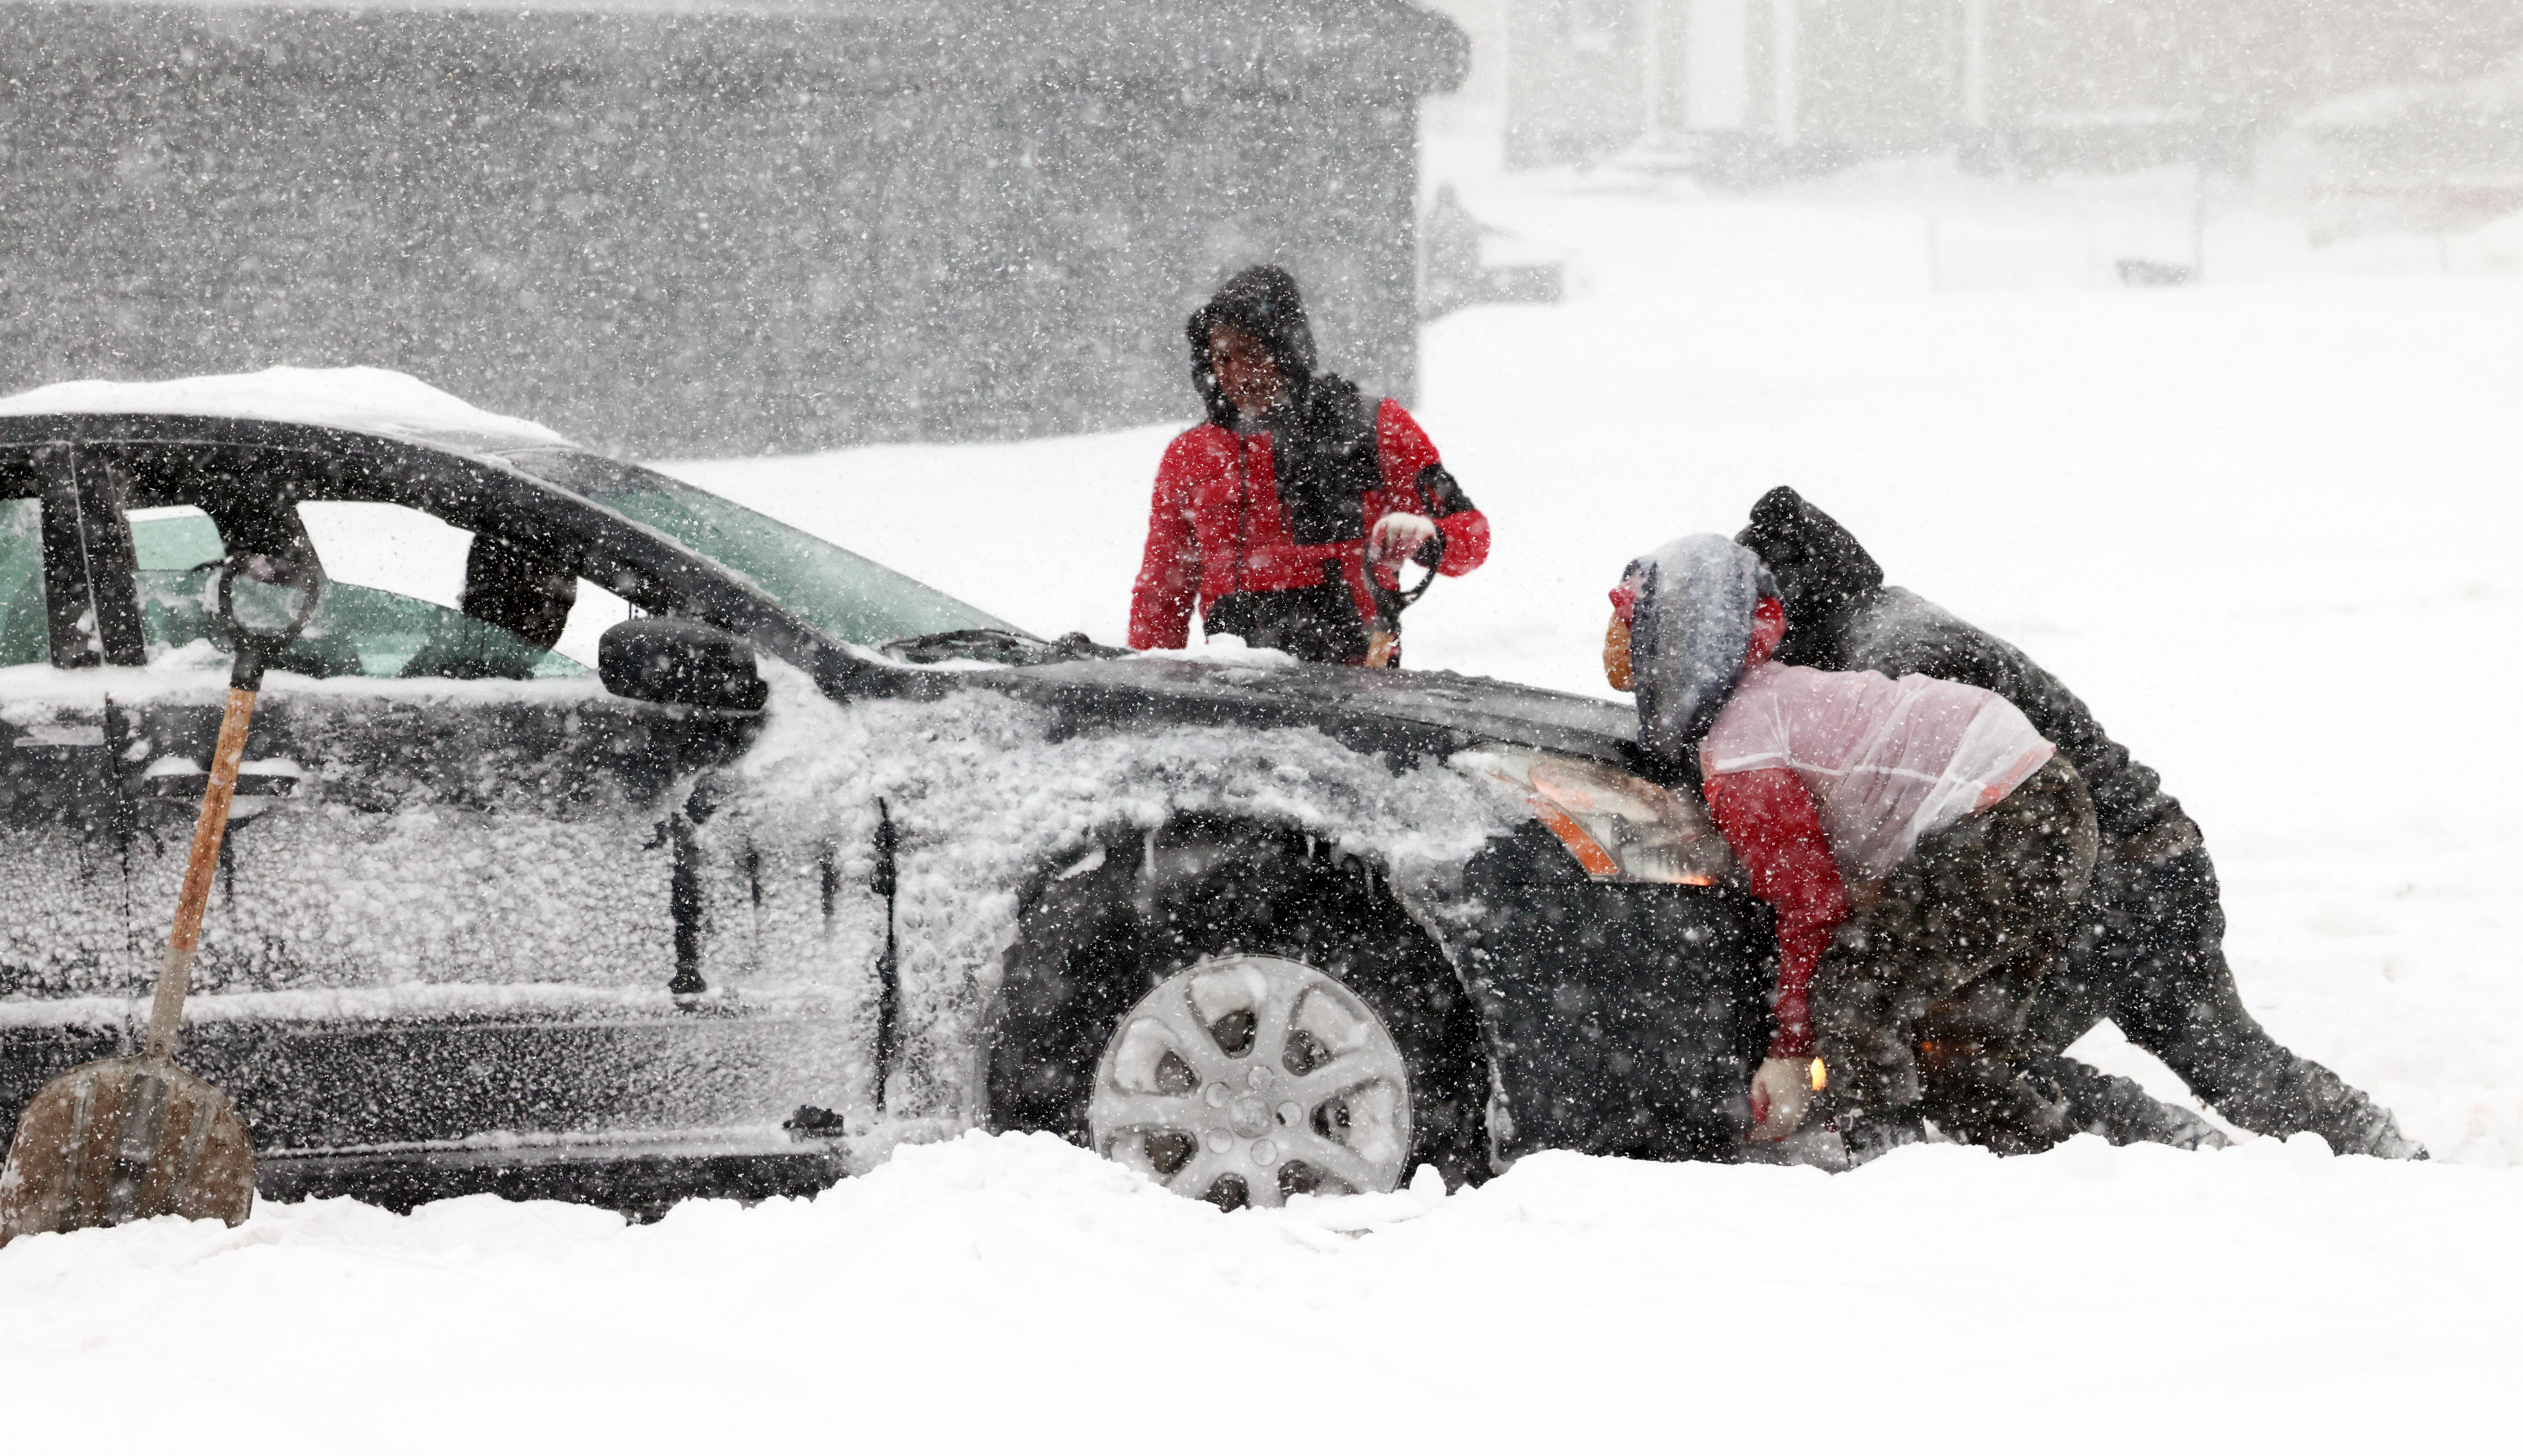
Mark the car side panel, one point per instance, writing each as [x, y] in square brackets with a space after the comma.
[425, 839]
[473, 917]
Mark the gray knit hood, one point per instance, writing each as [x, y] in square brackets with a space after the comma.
[1688, 632]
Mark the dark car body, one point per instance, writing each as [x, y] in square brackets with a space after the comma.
[539, 938]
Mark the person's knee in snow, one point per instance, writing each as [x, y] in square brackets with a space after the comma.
[1923, 847]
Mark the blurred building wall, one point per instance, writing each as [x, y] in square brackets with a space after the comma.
[676, 231]
[1576, 77]
[2440, 157]
[1802, 83]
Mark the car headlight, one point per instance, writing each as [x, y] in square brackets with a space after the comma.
[1618, 825]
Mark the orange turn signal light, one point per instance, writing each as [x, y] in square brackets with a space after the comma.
[1592, 857]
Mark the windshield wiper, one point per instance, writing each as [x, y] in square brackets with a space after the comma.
[993, 645]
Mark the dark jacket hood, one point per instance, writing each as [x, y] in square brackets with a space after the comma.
[1821, 569]
[1688, 633]
[1263, 301]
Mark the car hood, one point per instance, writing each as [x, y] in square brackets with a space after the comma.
[1374, 710]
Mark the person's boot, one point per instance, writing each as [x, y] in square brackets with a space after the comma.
[2349, 1121]
[2118, 1109]
[2279, 1093]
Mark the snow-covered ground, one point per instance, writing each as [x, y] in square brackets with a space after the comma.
[1019, 1294]
[2268, 527]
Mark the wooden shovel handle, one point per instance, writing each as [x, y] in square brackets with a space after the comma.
[176, 974]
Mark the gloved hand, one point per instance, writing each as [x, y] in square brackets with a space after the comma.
[1400, 533]
[1781, 1090]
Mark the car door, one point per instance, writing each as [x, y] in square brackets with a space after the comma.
[68, 968]
[456, 907]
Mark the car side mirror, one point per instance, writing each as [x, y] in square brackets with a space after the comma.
[661, 660]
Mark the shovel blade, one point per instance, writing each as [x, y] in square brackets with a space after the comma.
[116, 1141]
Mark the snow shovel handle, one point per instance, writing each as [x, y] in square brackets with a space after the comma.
[253, 649]
[175, 972]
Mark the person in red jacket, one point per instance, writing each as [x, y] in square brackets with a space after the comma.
[1286, 517]
[1924, 848]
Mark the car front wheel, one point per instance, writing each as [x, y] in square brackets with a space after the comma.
[1242, 1018]
[1245, 1079]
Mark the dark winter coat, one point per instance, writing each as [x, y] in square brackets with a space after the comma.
[1842, 618]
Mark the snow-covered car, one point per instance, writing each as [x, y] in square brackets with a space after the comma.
[816, 861]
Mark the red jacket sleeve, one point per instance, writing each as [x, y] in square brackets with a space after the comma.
[1769, 820]
[1407, 456]
[1161, 600]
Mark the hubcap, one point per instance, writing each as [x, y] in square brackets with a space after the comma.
[1246, 1079]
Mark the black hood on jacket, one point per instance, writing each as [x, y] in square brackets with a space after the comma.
[1819, 567]
[1323, 452]
[1263, 301]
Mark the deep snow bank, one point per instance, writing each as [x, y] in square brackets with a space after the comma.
[1016, 1292]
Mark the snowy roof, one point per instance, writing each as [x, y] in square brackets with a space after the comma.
[371, 401]
[1384, 44]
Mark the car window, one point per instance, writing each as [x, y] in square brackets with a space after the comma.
[22, 628]
[837, 591]
[365, 625]
[410, 554]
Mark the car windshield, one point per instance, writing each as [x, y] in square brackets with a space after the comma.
[837, 591]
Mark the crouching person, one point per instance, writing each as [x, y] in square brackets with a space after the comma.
[1924, 849]
[2151, 953]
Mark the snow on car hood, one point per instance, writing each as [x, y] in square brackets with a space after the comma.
[1437, 705]
[371, 401]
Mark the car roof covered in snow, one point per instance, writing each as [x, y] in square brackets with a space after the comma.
[368, 402]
